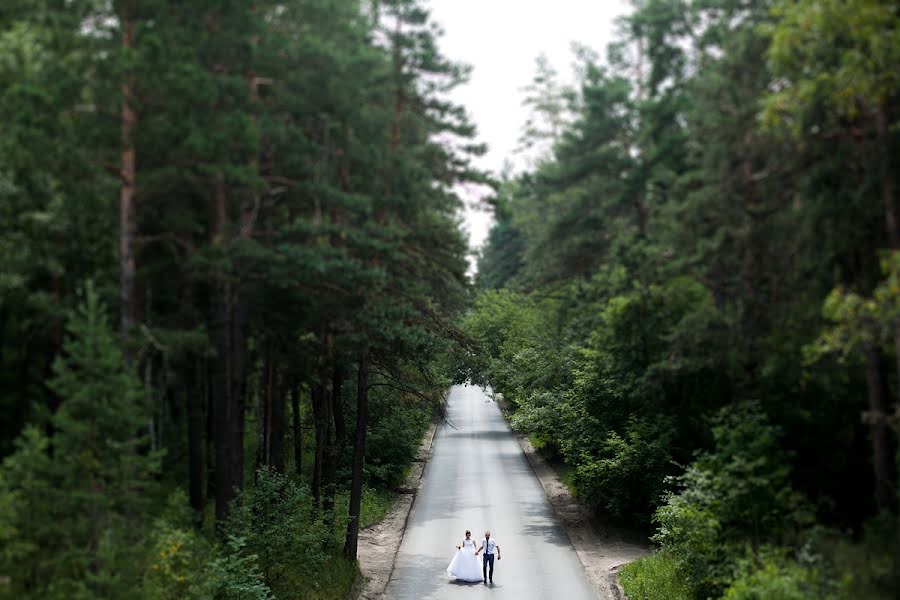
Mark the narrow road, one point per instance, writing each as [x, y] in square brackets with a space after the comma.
[479, 479]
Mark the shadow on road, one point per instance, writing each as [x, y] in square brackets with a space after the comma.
[483, 436]
[540, 523]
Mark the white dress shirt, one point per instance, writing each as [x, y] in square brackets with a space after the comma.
[489, 545]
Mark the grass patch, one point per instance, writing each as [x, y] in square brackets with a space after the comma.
[338, 575]
[333, 582]
[567, 476]
[375, 506]
[537, 442]
[655, 577]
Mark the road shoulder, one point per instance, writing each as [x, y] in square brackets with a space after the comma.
[602, 550]
[379, 543]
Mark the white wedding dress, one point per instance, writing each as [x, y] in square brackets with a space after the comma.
[465, 565]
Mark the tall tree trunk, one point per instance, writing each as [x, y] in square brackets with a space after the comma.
[327, 461]
[318, 402]
[336, 442]
[194, 390]
[221, 400]
[399, 92]
[298, 430]
[127, 190]
[271, 414]
[359, 452]
[881, 452]
[194, 377]
[240, 317]
[886, 174]
[230, 311]
[225, 404]
[278, 425]
[239, 321]
[210, 432]
[263, 453]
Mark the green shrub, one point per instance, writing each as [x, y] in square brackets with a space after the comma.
[274, 548]
[774, 577]
[275, 524]
[615, 479]
[178, 560]
[333, 581]
[517, 354]
[690, 533]
[178, 566]
[75, 515]
[375, 506]
[396, 428]
[731, 498]
[655, 577]
[859, 569]
[237, 575]
[546, 416]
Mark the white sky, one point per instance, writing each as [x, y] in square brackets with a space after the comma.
[501, 40]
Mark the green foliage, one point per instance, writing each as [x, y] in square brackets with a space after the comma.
[860, 567]
[774, 579]
[622, 475]
[709, 532]
[692, 534]
[600, 391]
[836, 569]
[501, 258]
[178, 563]
[375, 506]
[396, 430]
[295, 173]
[509, 328]
[852, 47]
[75, 511]
[655, 577]
[237, 574]
[334, 582]
[739, 493]
[653, 291]
[668, 254]
[273, 548]
[858, 321]
[20, 483]
[273, 527]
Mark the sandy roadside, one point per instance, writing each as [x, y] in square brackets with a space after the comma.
[378, 544]
[602, 550]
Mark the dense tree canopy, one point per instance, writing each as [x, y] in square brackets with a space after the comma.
[234, 290]
[261, 196]
[689, 302]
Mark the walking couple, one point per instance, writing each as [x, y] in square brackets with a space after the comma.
[464, 565]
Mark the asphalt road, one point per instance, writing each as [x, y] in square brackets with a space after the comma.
[479, 479]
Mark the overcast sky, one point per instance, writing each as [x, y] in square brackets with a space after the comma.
[501, 39]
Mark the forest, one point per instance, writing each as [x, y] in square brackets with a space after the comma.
[692, 295]
[234, 291]
[232, 268]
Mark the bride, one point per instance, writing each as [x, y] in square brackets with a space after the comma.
[465, 566]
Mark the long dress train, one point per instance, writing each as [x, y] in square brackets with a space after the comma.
[465, 566]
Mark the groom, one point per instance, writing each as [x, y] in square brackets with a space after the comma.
[489, 546]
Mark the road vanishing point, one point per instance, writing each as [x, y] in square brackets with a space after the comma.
[479, 479]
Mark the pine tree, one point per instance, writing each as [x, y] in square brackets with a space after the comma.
[83, 490]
